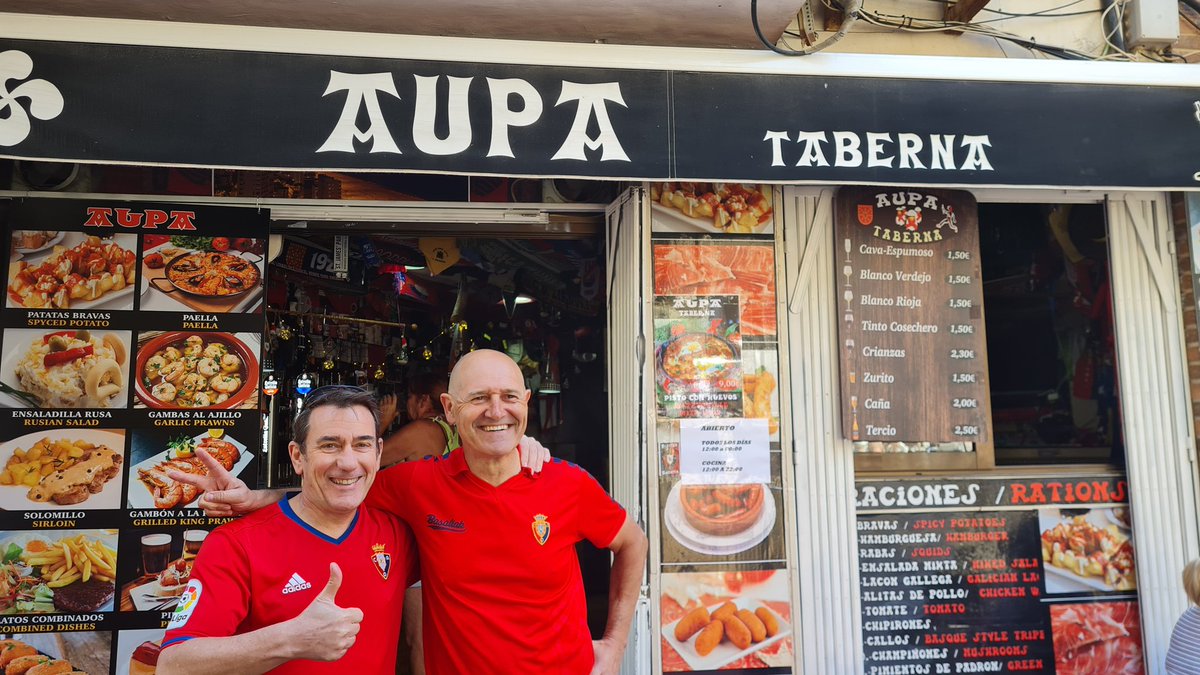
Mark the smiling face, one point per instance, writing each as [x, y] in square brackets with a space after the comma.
[488, 403]
[339, 461]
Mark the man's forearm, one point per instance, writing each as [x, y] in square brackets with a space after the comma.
[247, 654]
[625, 580]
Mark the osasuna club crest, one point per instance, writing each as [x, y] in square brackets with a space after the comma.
[541, 528]
[382, 560]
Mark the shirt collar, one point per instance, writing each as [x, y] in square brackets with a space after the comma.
[457, 464]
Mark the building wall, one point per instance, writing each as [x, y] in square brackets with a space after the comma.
[1187, 294]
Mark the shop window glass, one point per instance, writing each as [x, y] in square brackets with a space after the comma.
[1050, 347]
[1051, 353]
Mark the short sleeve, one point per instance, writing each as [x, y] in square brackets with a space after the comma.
[390, 487]
[414, 560]
[604, 516]
[217, 598]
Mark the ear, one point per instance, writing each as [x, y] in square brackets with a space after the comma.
[448, 406]
[297, 458]
[528, 394]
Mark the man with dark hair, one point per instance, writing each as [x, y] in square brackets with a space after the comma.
[313, 584]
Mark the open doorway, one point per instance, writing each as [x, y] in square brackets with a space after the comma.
[407, 307]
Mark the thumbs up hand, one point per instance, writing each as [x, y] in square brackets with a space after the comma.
[327, 630]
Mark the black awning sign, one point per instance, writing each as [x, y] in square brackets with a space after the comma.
[125, 104]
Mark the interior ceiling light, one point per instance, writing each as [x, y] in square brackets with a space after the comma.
[521, 299]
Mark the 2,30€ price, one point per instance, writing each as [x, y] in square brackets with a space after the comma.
[962, 353]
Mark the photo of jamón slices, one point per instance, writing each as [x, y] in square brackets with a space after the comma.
[1099, 637]
[745, 270]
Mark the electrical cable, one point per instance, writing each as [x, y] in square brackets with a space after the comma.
[851, 15]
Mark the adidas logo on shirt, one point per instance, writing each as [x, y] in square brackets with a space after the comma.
[296, 584]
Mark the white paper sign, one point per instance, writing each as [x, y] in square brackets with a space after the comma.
[724, 451]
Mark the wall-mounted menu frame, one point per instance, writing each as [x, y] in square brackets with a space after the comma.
[715, 297]
[131, 335]
[987, 575]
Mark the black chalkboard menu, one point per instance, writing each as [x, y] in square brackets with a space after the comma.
[910, 301]
[1021, 575]
[132, 336]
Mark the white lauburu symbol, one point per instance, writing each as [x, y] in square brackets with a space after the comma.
[45, 101]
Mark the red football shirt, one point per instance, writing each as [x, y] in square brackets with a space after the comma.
[269, 566]
[503, 591]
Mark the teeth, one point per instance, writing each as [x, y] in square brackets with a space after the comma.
[496, 427]
[344, 481]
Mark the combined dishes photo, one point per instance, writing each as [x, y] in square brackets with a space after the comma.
[80, 275]
[64, 369]
[63, 571]
[219, 274]
[62, 468]
[195, 370]
[158, 489]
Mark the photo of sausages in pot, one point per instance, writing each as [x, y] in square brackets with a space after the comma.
[195, 370]
[722, 509]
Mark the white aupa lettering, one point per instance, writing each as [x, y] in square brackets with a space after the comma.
[363, 93]
[591, 99]
[362, 90]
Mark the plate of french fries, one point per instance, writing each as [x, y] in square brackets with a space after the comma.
[33, 466]
[37, 565]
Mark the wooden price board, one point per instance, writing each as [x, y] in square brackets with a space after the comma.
[910, 316]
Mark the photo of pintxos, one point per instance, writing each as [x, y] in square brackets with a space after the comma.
[63, 468]
[1083, 550]
[150, 487]
[728, 208]
[62, 571]
[80, 272]
[184, 369]
[719, 519]
[165, 569]
[64, 369]
[205, 274]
